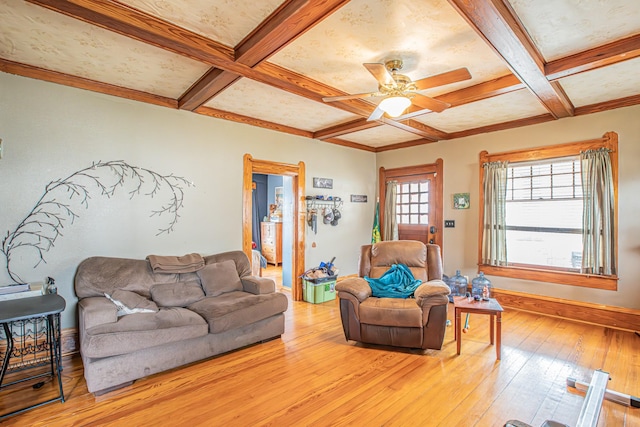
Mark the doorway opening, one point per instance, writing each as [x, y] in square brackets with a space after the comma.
[294, 179]
[272, 225]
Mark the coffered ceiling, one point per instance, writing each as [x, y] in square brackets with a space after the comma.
[269, 63]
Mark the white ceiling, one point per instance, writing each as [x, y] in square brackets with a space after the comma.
[119, 48]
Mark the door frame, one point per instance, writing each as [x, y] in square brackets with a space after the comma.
[434, 168]
[297, 173]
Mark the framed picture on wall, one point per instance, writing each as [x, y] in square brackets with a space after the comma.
[322, 183]
[461, 201]
[279, 197]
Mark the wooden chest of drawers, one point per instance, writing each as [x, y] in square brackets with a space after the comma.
[271, 235]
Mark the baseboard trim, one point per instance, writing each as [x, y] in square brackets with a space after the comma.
[609, 316]
[69, 343]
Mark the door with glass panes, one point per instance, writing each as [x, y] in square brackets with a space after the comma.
[418, 202]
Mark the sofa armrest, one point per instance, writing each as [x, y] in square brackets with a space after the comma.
[356, 286]
[258, 285]
[94, 311]
[433, 292]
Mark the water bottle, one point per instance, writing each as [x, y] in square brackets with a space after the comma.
[481, 286]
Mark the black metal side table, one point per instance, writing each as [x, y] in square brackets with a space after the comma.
[31, 328]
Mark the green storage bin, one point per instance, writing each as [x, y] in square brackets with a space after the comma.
[317, 293]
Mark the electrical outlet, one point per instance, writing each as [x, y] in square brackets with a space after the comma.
[449, 223]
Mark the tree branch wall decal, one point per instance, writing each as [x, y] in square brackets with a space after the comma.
[41, 228]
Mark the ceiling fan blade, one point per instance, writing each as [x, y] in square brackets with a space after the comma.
[354, 96]
[453, 76]
[380, 72]
[425, 102]
[376, 115]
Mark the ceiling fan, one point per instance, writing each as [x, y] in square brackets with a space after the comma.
[399, 91]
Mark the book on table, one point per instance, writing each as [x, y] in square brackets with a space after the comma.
[22, 290]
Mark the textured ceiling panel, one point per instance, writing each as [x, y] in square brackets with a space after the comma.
[226, 21]
[379, 136]
[564, 27]
[515, 105]
[616, 81]
[430, 38]
[253, 99]
[35, 36]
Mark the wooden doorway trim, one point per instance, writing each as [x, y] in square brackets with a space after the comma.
[436, 168]
[297, 173]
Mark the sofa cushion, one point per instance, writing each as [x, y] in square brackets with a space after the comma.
[179, 294]
[129, 302]
[143, 330]
[236, 309]
[219, 278]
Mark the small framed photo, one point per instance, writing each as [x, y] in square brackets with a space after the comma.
[461, 201]
[322, 183]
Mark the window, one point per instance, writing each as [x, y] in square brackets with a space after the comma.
[412, 202]
[535, 209]
[544, 214]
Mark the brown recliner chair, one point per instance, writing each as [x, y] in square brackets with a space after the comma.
[418, 322]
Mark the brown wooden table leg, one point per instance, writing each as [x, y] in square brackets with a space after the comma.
[491, 328]
[499, 335]
[458, 330]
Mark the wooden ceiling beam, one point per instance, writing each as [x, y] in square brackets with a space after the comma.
[132, 23]
[83, 83]
[284, 25]
[601, 56]
[405, 144]
[129, 22]
[498, 25]
[416, 128]
[350, 144]
[239, 118]
[292, 19]
[213, 82]
[503, 126]
[345, 128]
[608, 105]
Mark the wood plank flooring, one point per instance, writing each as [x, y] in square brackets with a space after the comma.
[312, 377]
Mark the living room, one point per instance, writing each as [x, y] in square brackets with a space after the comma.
[49, 131]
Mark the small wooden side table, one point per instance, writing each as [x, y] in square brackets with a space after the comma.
[31, 327]
[491, 307]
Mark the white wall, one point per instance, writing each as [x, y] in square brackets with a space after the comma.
[461, 176]
[50, 131]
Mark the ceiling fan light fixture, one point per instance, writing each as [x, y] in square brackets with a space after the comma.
[394, 105]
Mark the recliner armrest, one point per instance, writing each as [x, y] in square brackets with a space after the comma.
[430, 289]
[258, 285]
[356, 286]
[94, 311]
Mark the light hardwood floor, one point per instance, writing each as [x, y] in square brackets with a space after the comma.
[312, 376]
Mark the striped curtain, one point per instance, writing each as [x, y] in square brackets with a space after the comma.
[494, 232]
[390, 229]
[598, 218]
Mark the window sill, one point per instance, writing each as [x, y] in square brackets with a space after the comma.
[609, 283]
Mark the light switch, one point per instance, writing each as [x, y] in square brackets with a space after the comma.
[449, 223]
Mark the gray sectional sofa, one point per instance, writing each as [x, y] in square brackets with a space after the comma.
[134, 322]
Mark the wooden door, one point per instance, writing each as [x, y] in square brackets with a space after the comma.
[419, 201]
[417, 209]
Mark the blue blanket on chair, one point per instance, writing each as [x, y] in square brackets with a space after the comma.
[397, 282]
